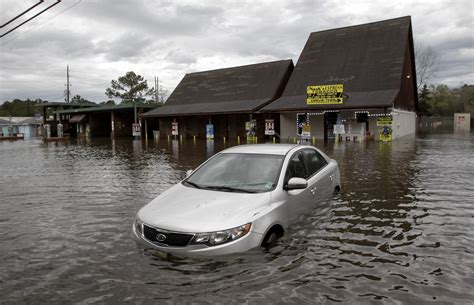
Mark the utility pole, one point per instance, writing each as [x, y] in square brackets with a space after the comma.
[68, 92]
[157, 89]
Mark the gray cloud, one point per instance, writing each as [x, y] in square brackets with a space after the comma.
[181, 56]
[101, 40]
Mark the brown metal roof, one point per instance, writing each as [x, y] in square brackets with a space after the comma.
[77, 118]
[238, 89]
[368, 59]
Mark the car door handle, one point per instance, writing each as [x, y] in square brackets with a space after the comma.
[313, 190]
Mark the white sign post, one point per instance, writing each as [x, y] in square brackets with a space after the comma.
[174, 128]
[269, 127]
[136, 130]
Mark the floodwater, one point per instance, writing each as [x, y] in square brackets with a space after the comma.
[401, 231]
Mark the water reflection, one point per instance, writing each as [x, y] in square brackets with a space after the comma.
[400, 231]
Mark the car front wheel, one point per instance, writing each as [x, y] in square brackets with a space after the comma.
[272, 237]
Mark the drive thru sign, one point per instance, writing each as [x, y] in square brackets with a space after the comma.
[324, 94]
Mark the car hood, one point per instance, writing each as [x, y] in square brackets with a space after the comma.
[187, 209]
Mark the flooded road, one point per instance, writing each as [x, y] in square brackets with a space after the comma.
[401, 231]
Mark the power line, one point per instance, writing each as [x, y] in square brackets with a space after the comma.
[31, 18]
[41, 24]
[13, 19]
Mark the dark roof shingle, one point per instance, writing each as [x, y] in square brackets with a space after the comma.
[237, 89]
[368, 59]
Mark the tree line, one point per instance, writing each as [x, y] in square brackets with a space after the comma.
[440, 100]
[129, 88]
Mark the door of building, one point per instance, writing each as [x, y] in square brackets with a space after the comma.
[330, 119]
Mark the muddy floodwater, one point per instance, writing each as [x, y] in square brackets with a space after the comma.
[400, 232]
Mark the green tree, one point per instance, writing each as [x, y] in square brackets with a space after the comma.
[463, 99]
[108, 103]
[79, 99]
[129, 88]
[442, 98]
[19, 107]
[424, 102]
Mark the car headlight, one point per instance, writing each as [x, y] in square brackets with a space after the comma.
[221, 237]
[138, 226]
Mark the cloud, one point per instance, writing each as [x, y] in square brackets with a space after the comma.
[101, 40]
[181, 56]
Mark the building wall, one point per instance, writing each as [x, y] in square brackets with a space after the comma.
[404, 123]
[317, 126]
[287, 126]
[4, 131]
[123, 121]
[27, 130]
[99, 124]
[230, 126]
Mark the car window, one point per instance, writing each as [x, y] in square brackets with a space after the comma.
[296, 168]
[239, 171]
[313, 160]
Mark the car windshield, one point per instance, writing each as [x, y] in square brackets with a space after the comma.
[234, 172]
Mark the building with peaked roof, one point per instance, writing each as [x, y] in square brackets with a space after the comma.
[225, 99]
[350, 77]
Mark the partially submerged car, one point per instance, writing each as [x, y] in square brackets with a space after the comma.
[239, 199]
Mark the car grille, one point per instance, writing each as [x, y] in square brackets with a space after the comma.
[172, 239]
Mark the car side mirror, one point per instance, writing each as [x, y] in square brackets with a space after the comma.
[297, 184]
[188, 173]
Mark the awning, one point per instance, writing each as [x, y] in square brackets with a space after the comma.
[77, 118]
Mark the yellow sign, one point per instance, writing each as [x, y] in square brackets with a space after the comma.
[324, 94]
[384, 121]
[306, 131]
[385, 134]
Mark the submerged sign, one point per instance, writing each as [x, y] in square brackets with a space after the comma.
[269, 127]
[209, 131]
[384, 120]
[324, 94]
[135, 130]
[385, 133]
[174, 128]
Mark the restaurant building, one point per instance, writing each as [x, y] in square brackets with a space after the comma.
[223, 103]
[352, 83]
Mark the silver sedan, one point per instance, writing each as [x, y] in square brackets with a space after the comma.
[239, 199]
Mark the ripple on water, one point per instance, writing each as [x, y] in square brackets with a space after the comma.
[401, 231]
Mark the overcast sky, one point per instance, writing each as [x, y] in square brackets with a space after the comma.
[102, 40]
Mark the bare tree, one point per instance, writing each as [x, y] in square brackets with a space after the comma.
[427, 63]
[162, 95]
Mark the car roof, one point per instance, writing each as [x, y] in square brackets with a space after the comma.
[266, 149]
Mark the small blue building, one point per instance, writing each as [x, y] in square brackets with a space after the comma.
[27, 126]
